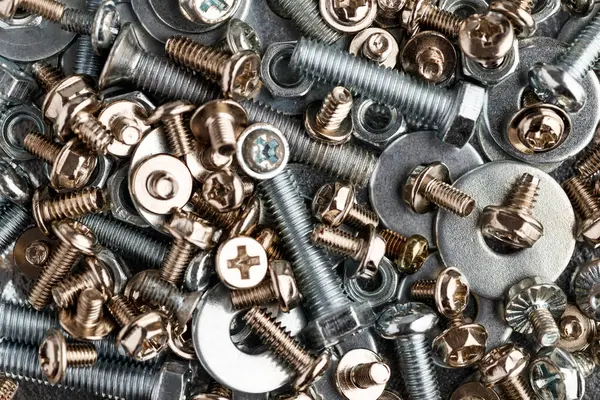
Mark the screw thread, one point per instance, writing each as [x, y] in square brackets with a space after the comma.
[530, 98]
[335, 109]
[307, 18]
[47, 75]
[248, 187]
[408, 94]
[523, 194]
[176, 261]
[347, 162]
[92, 132]
[149, 286]
[205, 59]
[56, 269]
[585, 363]
[337, 241]
[73, 204]
[441, 20]
[89, 308]
[545, 328]
[125, 239]
[583, 51]
[261, 294]
[278, 339]
[78, 21]
[122, 309]
[49, 9]
[222, 135]
[365, 375]
[359, 217]
[41, 147]
[320, 285]
[108, 379]
[417, 367]
[206, 211]
[65, 293]
[423, 290]
[87, 62]
[13, 221]
[219, 390]
[449, 198]
[8, 389]
[589, 165]
[394, 243]
[582, 197]
[179, 136]
[272, 245]
[81, 355]
[517, 388]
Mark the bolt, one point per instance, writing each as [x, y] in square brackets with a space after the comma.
[308, 368]
[512, 222]
[239, 36]
[13, 221]
[331, 123]
[560, 83]
[89, 321]
[171, 115]
[8, 389]
[518, 13]
[423, 14]
[75, 239]
[407, 253]
[587, 206]
[486, 39]
[87, 62]
[237, 73]
[502, 367]
[307, 18]
[96, 275]
[449, 291]
[409, 95]
[360, 374]
[56, 355]
[429, 185]
[335, 204]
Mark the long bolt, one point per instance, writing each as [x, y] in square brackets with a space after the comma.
[87, 62]
[414, 352]
[70, 205]
[582, 197]
[177, 260]
[307, 18]
[407, 253]
[8, 389]
[13, 221]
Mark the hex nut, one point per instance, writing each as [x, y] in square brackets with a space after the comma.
[377, 125]
[274, 82]
[16, 86]
[502, 363]
[459, 128]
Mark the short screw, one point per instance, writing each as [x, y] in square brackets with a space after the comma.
[585, 363]
[8, 388]
[56, 355]
[407, 253]
[307, 18]
[89, 321]
[449, 292]
[589, 164]
[91, 131]
[511, 382]
[335, 204]
[224, 220]
[425, 14]
[96, 276]
[331, 123]
[361, 373]
[308, 368]
[171, 115]
[271, 241]
[239, 36]
[587, 206]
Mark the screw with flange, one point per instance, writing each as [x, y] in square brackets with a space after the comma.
[360, 374]
[331, 122]
[449, 292]
[335, 204]
[587, 207]
[89, 321]
[585, 285]
[555, 370]
[486, 39]
[519, 13]
[56, 355]
[502, 368]
[96, 275]
[239, 36]
[171, 115]
[407, 253]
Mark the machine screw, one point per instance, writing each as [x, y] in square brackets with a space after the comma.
[239, 36]
[75, 239]
[361, 374]
[171, 115]
[502, 367]
[88, 322]
[449, 292]
[47, 75]
[518, 13]
[335, 204]
[560, 83]
[13, 221]
[512, 222]
[486, 39]
[313, 26]
[331, 122]
[87, 62]
[585, 363]
[225, 190]
[429, 185]
[96, 275]
[271, 241]
[461, 345]
[425, 14]
[56, 355]
[8, 388]
[407, 253]
[224, 220]
[308, 368]
[587, 207]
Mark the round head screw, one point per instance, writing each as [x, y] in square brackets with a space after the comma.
[262, 151]
[502, 367]
[555, 85]
[361, 374]
[576, 330]
[208, 13]
[331, 122]
[105, 26]
[56, 355]
[532, 306]
[225, 190]
[587, 206]
[586, 286]
[96, 275]
[335, 204]
[450, 292]
[407, 253]
[402, 320]
[171, 115]
[486, 38]
[431, 56]
[554, 374]
[240, 36]
[89, 321]
[519, 15]
[241, 262]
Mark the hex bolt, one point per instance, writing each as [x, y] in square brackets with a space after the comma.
[13, 221]
[76, 239]
[409, 95]
[313, 26]
[129, 63]
[518, 13]
[502, 368]
[407, 253]
[428, 186]
[560, 83]
[89, 321]
[335, 204]
[512, 222]
[171, 115]
[587, 207]
[271, 241]
[425, 14]
[96, 275]
[87, 62]
[67, 205]
[360, 374]
[408, 324]
[56, 355]
[8, 388]
[308, 368]
[238, 73]
[331, 122]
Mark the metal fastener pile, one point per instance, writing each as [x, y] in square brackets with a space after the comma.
[299, 199]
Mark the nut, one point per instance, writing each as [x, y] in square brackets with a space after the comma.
[190, 227]
[284, 283]
[502, 363]
[333, 202]
[460, 346]
[73, 168]
[144, 337]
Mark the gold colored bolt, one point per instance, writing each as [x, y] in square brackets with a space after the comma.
[96, 275]
[8, 388]
[361, 374]
[171, 115]
[47, 75]
[237, 73]
[502, 368]
[224, 220]
[56, 355]
[424, 13]
[271, 242]
[461, 345]
[308, 368]
[407, 253]
[335, 204]
[518, 12]
[89, 321]
[587, 206]
[429, 185]
[450, 292]
[67, 205]
[75, 239]
[331, 122]
[368, 249]
[214, 391]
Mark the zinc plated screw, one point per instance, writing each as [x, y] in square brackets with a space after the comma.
[306, 16]
[587, 206]
[129, 63]
[87, 62]
[8, 388]
[171, 115]
[13, 221]
[585, 363]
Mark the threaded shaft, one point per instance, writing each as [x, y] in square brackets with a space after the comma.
[125, 239]
[122, 309]
[360, 217]
[47, 75]
[589, 165]
[222, 135]
[261, 294]
[517, 388]
[78, 21]
[13, 221]
[394, 243]
[149, 286]
[585, 363]
[423, 290]
[441, 20]
[307, 18]
[583, 51]
[92, 132]
[449, 198]
[319, 284]
[8, 388]
[530, 98]
[545, 328]
[523, 194]
[248, 187]
[407, 94]
[49, 9]
[188, 53]
[179, 136]
[367, 375]
[65, 293]
[89, 308]
[73, 204]
[87, 62]
[81, 355]
[335, 109]
[269, 239]
[279, 340]
[224, 220]
[56, 269]
[41, 147]
[217, 389]
[337, 241]
[108, 379]
[526, 5]
[417, 367]
[582, 197]
[177, 261]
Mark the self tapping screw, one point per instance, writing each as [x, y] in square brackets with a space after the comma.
[331, 122]
[96, 275]
[425, 14]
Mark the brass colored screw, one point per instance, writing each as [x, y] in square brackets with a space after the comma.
[56, 355]
[502, 368]
[96, 276]
[47, 75]
[418, 14]
[8, 388]
[407, 253]
[331, 122]
[91, 131]
[171, 115]
[360, 374]
[89, 321]
[518, 12]
[308, 368]
[589, 164]
[271, 242]
[587, 206]
[335, 204]
[206, 211]
[449, 292]
[214, 391]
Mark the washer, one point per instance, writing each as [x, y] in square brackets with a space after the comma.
[490, 274]
[490, 314]
[250, 373]
[386, 292]
[395, 164]
[504, 100]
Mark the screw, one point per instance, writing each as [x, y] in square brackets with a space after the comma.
[56, 355]
[518, 13]
[449, 291]
[331, 123]
[560, 83]
[589, 164]
[424, 14]
[306, 16]
[407, 253]
[96, 275]
[91, 131]
[75, 239]
[335, 204]
[225, 190]
[214, 391]
[361, 374]
[8, 389]
[271, 241]
[13, 221]
[87, 62]
[585, 363]
[502, 367]
[587, 206]
[239, 36]
[308, 368]
[89, 321]
[225, 220]
[429, 185]
[47, 75]
[178, 134]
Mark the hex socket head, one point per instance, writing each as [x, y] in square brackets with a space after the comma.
[502, 363]
[284, 283]
[53, 356]
[460, 346]
[144, 337]
[553, 373]
[416, 184]
[510, 226]
[73, 168]
[333, 202]
[555, 85]
[405, 319]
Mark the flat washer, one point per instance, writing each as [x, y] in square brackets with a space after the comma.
[395, 164]
[490, 274]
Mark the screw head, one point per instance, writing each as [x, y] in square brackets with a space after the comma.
[241, 262]
[284, 283]
[262, 151]
[240, 36]
[510, 226]
[77, 235]
[553, 84]
[414, 253]
[209, 12]
[313, 372]
[224, 190]
[105, 27]
[53, 356]
[169, 110]
[144, 337]
[333, 201]
[539, 128]
[502, 363]
[553, 374]
[122, 59]
[486, 38]
[241, 76]
[405, 319]
[460, 346]
[452, 292]
[74, 166]
[522, 21]
[419, 178]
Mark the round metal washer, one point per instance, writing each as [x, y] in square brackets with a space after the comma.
[383, 294]
[490, 314]
[359, 40]
[250, 373]
[395, 164]
[490, 274]
[504, 100]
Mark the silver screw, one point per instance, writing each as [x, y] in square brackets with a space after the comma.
[87, 62]
[306, 16]
[13, 221]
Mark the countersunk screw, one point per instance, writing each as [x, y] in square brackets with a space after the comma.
[308, 368]
[238, 73]
[75, 239]
[56, 355]
[331, 122]
[407, 253]
[8, 388]
[512, 222]
[417, 14]
[587, 207]
[429, 185]
[306, 16]
[171, 115]
[96, 275]
[335, 204]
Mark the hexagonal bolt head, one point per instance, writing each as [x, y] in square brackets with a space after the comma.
[333, 202]
[460, 346]
[190, 227]
[73, 168]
